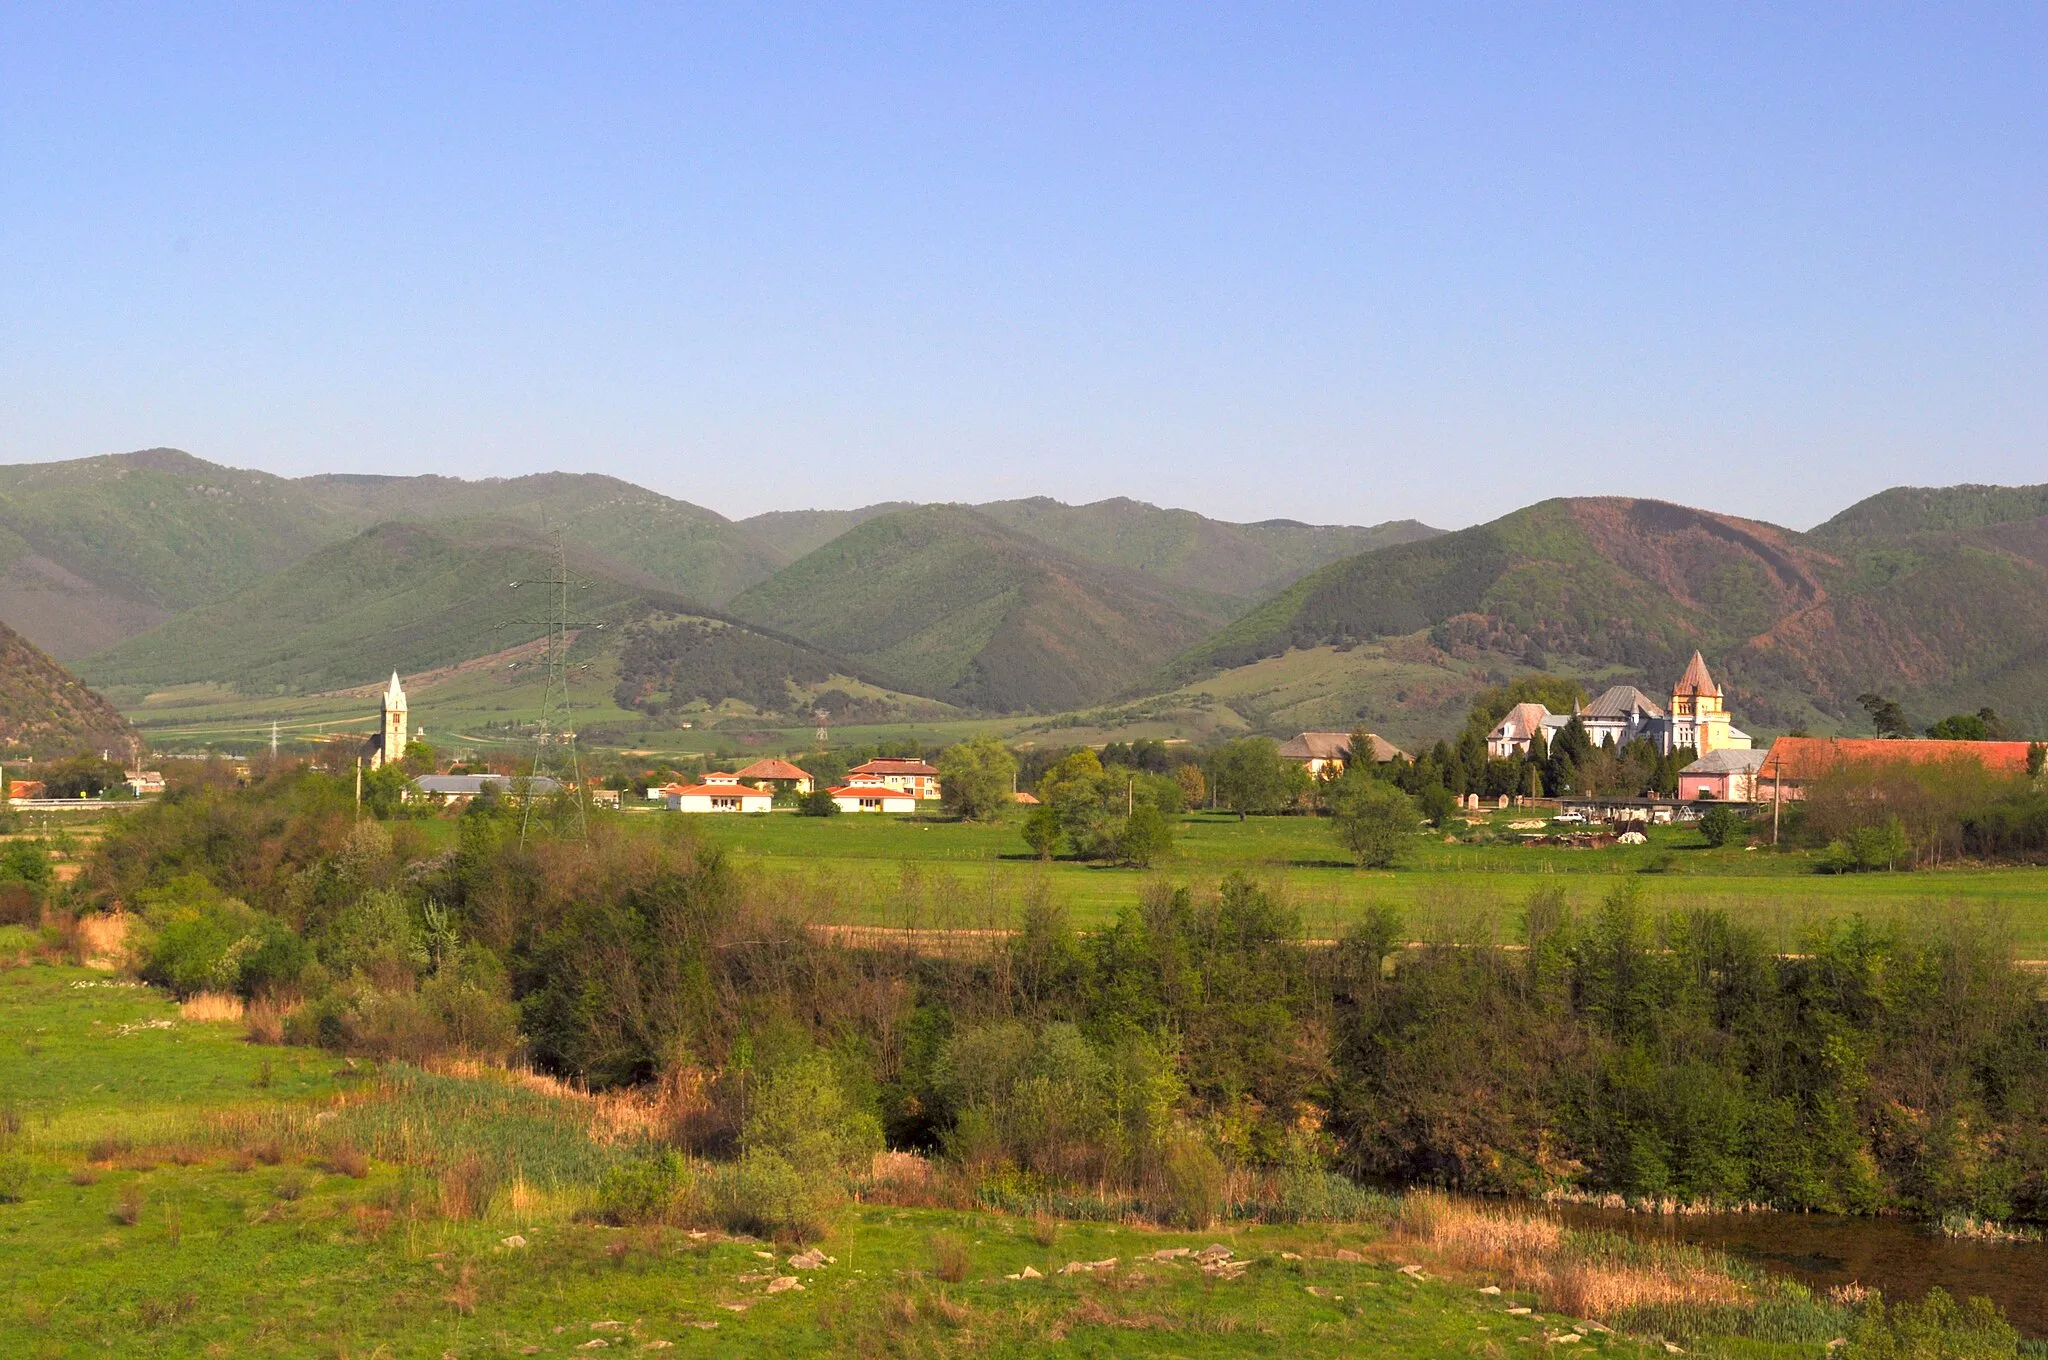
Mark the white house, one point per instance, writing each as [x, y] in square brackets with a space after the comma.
[718, 793]
[867, 793]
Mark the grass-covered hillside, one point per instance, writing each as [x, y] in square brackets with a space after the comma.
[97, 549]
[688, 549]
[46, 709]
[405, 596]
[1795, 626]
[947, 602]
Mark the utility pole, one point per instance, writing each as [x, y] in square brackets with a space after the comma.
[273, 740]
[554, 738]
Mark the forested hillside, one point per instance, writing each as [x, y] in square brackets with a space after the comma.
[949, 603]
[46, 710]
[1797, 624]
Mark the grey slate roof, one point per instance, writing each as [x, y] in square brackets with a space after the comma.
[1620, 701]
[1726, 761]
[469, 785]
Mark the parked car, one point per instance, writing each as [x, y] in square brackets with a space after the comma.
[1570, 818]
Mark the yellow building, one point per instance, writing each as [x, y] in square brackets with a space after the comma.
[1699, 717]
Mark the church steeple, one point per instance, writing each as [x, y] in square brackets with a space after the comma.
[391, 734]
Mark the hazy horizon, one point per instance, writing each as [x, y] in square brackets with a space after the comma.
[1339, 267]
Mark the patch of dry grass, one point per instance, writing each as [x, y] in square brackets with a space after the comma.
[1572, 1273]
[211, 1006]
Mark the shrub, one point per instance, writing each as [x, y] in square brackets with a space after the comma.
[818, 803]
[1718, 825]
[14, 1178]
[764, 1193]
[801, 1114]
[1194, 1180]
[1146, 836]
[643, 1191]
[1937, 1329]
[951, 1257]
[1372, 819]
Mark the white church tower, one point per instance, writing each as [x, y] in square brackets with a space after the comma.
[391, 737]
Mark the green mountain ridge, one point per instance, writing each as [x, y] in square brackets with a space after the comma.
[951, 604]
[47, 710]
[1795, 625]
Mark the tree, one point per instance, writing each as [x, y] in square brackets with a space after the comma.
[977, 778]
[1147, 835]
[1438, 803]
[1885, 715]
[1372, 819]
[1249, 776]
[1084, 800]
[1718, 825]
[1983, 725]
[1042, 831]
[819, 802]
[1194, 790]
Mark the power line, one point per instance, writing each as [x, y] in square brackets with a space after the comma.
[554, 738]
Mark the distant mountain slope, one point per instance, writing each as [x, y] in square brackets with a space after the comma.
[47, 710]
[404, 596]
[687, 548]
[794, 533]
[1936, 509]
[953, 605]
[1210, 562]
[96, 549]
[1795, 625]
[426, 597]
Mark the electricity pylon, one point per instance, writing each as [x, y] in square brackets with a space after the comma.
[554, 738]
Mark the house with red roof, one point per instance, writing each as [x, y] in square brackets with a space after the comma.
[717, 792]
[778, 773]
[1794, 763]
[867, 793]
[913, 777]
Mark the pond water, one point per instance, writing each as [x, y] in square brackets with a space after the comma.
[1903, 1259]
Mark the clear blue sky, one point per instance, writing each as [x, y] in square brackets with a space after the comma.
[1334, 263]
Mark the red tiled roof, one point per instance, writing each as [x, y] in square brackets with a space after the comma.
[1812, 757]
[1027, 798]
[870, 791]
[891, 766]
[714, 790]
[1696, 681]
[773, 769]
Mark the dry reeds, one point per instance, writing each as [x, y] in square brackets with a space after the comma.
[1582, 1276]
[102, 940]
[211, 1006]
[127, 1210]
[951, 1257]
[263, 1020]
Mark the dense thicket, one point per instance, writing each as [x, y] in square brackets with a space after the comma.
[1199, 1034]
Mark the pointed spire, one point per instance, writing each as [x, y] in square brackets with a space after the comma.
[394, 692]
[1696, 681]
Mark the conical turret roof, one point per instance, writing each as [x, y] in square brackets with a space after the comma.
[1696, 681]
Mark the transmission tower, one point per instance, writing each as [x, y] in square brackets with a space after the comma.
[554, 737]
[824, 717]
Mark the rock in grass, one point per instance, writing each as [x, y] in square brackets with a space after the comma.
[783, 1284]
[515, 1241]
[810, 1260]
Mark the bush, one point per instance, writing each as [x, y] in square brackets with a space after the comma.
[1718, 825]
[204, 942]
[818, 803]
[646, 1191]
[1935, 1329]
[801, 1114]
[764, 1193]
[14, 1178]
[1145, 837]
[1372, 819]
[1194, 1181]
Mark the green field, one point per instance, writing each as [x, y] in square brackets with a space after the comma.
[169, 1190]
[902, 871]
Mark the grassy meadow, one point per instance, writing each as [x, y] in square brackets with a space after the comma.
[904, 871]
[168, 1188]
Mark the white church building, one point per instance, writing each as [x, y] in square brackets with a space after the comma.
[389, 743]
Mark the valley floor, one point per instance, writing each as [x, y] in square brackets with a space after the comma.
[149, 1205]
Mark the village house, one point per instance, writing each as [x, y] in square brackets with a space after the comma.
[1514, 733]
[457, 789]
[913, 777]
[1323, 754]
[869, 793]
[1726, 776]
[1794, 763]
[144, 783]
[717, 793]
[777, 773]
[28, 790]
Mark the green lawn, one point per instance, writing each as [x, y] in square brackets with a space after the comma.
[135, 1226]
[886, 870]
